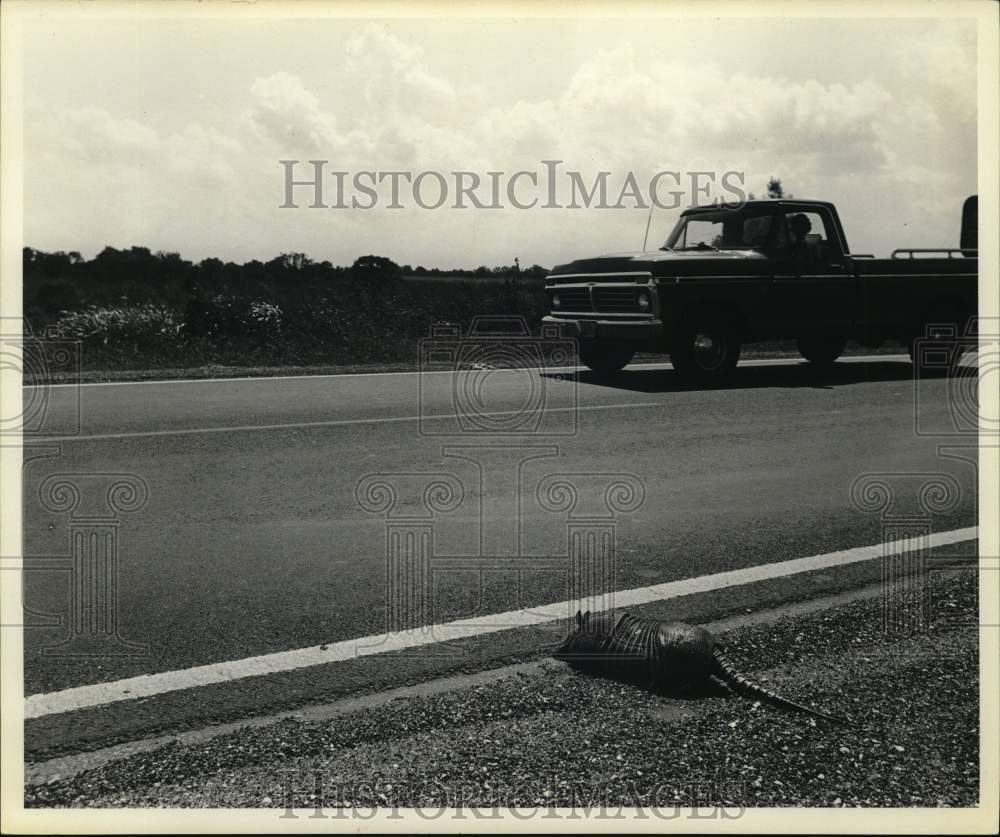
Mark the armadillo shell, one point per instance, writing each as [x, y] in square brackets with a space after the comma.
[665, 655]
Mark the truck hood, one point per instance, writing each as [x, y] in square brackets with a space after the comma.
[660, 262]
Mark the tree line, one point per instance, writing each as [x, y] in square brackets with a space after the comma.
[58, 276]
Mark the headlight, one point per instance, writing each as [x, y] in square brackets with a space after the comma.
[555, 301]
[643, 300]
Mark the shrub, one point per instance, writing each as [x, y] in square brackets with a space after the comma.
[132, 326]
[263, 320]
[375, 269]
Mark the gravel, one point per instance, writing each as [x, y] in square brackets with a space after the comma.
[561, 739]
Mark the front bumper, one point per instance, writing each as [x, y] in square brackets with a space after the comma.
[631, 330]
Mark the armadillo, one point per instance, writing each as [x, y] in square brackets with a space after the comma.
[661, 655]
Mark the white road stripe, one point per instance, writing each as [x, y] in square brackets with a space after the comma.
[655, 365]
[148, 685]
[299, 425]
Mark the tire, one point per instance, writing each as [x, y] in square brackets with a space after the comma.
[604, 358]
[705, 352]
[821, 350]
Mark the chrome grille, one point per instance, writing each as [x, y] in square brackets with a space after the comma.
[615, 300]
[574, 299]
[630, 278]
[590, 299]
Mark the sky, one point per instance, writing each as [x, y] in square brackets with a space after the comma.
[168, 133]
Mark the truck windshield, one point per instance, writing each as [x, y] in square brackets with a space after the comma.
[722, 230]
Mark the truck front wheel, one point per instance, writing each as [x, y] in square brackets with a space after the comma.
[604, 358]
[705, 352]
[821, 350]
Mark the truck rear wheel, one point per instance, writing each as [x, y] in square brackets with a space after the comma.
[605, 358]
[821, 350]
[705, 352]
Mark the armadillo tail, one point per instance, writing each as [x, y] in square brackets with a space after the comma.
[739, 683]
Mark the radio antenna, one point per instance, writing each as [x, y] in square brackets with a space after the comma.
[649, 218]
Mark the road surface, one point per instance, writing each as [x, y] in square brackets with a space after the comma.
[265, 530]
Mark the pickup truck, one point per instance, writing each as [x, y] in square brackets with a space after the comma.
[761, 270]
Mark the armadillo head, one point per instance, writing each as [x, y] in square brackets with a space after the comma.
[583, 640]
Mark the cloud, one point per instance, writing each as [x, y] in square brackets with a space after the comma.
[289, 116]
[95, 136]
[660, 112]
[395, 79]
[908, 129]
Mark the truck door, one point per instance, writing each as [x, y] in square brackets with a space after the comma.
[812, 288]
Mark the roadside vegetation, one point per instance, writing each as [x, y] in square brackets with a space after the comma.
[133, 309]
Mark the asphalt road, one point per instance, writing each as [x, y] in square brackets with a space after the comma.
[253, 539]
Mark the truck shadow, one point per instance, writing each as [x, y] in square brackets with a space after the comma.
[794, 373]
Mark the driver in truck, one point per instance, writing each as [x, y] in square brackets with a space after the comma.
[799, 226]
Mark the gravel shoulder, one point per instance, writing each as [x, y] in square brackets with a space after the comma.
[556, 738]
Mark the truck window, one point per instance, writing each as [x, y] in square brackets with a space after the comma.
[806, 237]
[756, 229]
[723, 230]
